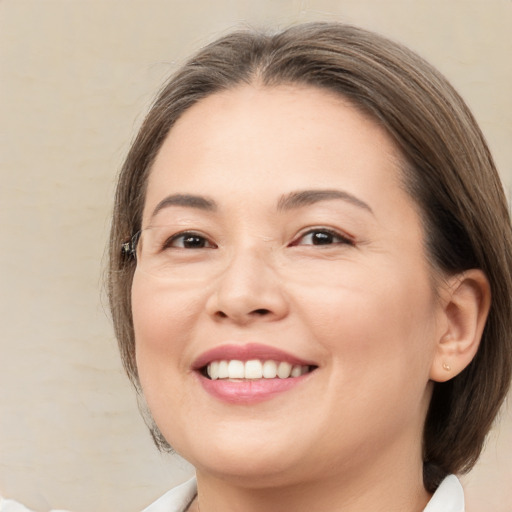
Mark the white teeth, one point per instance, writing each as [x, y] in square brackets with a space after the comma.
[254, 369]
[223, 370]
[236, 369]
[213, 370]
[269, 369]
[283, 370]
[296, 371]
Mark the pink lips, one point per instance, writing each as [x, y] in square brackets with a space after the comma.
[246, 353]
[248, 391]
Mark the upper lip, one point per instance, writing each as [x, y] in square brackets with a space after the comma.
[247, 352]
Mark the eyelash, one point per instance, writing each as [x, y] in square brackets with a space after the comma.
[340, 239]
[188, 234]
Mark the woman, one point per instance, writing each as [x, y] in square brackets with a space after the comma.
[310, 276]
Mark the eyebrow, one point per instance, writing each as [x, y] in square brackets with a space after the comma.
[187, 200]
[308, 197]
[289, 201]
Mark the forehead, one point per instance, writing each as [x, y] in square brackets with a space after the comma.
[258, 139]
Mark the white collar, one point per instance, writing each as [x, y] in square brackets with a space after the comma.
[449, 497]
[176, 500]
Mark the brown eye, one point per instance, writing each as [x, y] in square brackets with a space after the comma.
[322, 237]
[189, 241]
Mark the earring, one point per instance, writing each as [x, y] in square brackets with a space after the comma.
[447, 367]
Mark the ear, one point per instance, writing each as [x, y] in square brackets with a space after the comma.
[466, 302]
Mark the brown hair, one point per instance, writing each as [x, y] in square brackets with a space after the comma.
[448, 170]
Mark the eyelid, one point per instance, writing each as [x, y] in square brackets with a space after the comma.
[191, 233]
[344, 237]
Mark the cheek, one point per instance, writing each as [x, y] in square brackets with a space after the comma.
[164, 320]
[379, 326]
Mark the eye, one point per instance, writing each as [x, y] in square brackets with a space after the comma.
[189, 240]
[322, 236]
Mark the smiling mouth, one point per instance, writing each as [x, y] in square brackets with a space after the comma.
[253, 369]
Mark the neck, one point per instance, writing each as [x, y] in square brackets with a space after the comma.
[378, 490]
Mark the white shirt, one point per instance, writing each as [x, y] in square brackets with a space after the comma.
[449, 497]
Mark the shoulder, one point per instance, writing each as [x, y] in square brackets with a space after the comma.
[176, 500]
[449, 497]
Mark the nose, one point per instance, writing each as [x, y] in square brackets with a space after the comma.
[248, 290]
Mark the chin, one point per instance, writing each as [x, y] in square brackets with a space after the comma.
[249, 473]
[248, 460]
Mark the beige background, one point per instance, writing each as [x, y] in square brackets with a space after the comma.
[75, 78]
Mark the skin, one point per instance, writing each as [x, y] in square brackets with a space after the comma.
[366, 311]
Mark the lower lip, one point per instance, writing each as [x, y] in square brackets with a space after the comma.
[249, 391]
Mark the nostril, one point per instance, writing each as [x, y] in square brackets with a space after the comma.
[243, 317]
[260, 312]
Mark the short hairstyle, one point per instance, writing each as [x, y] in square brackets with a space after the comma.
[447, 169]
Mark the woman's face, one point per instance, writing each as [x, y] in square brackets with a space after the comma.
[278, 230]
